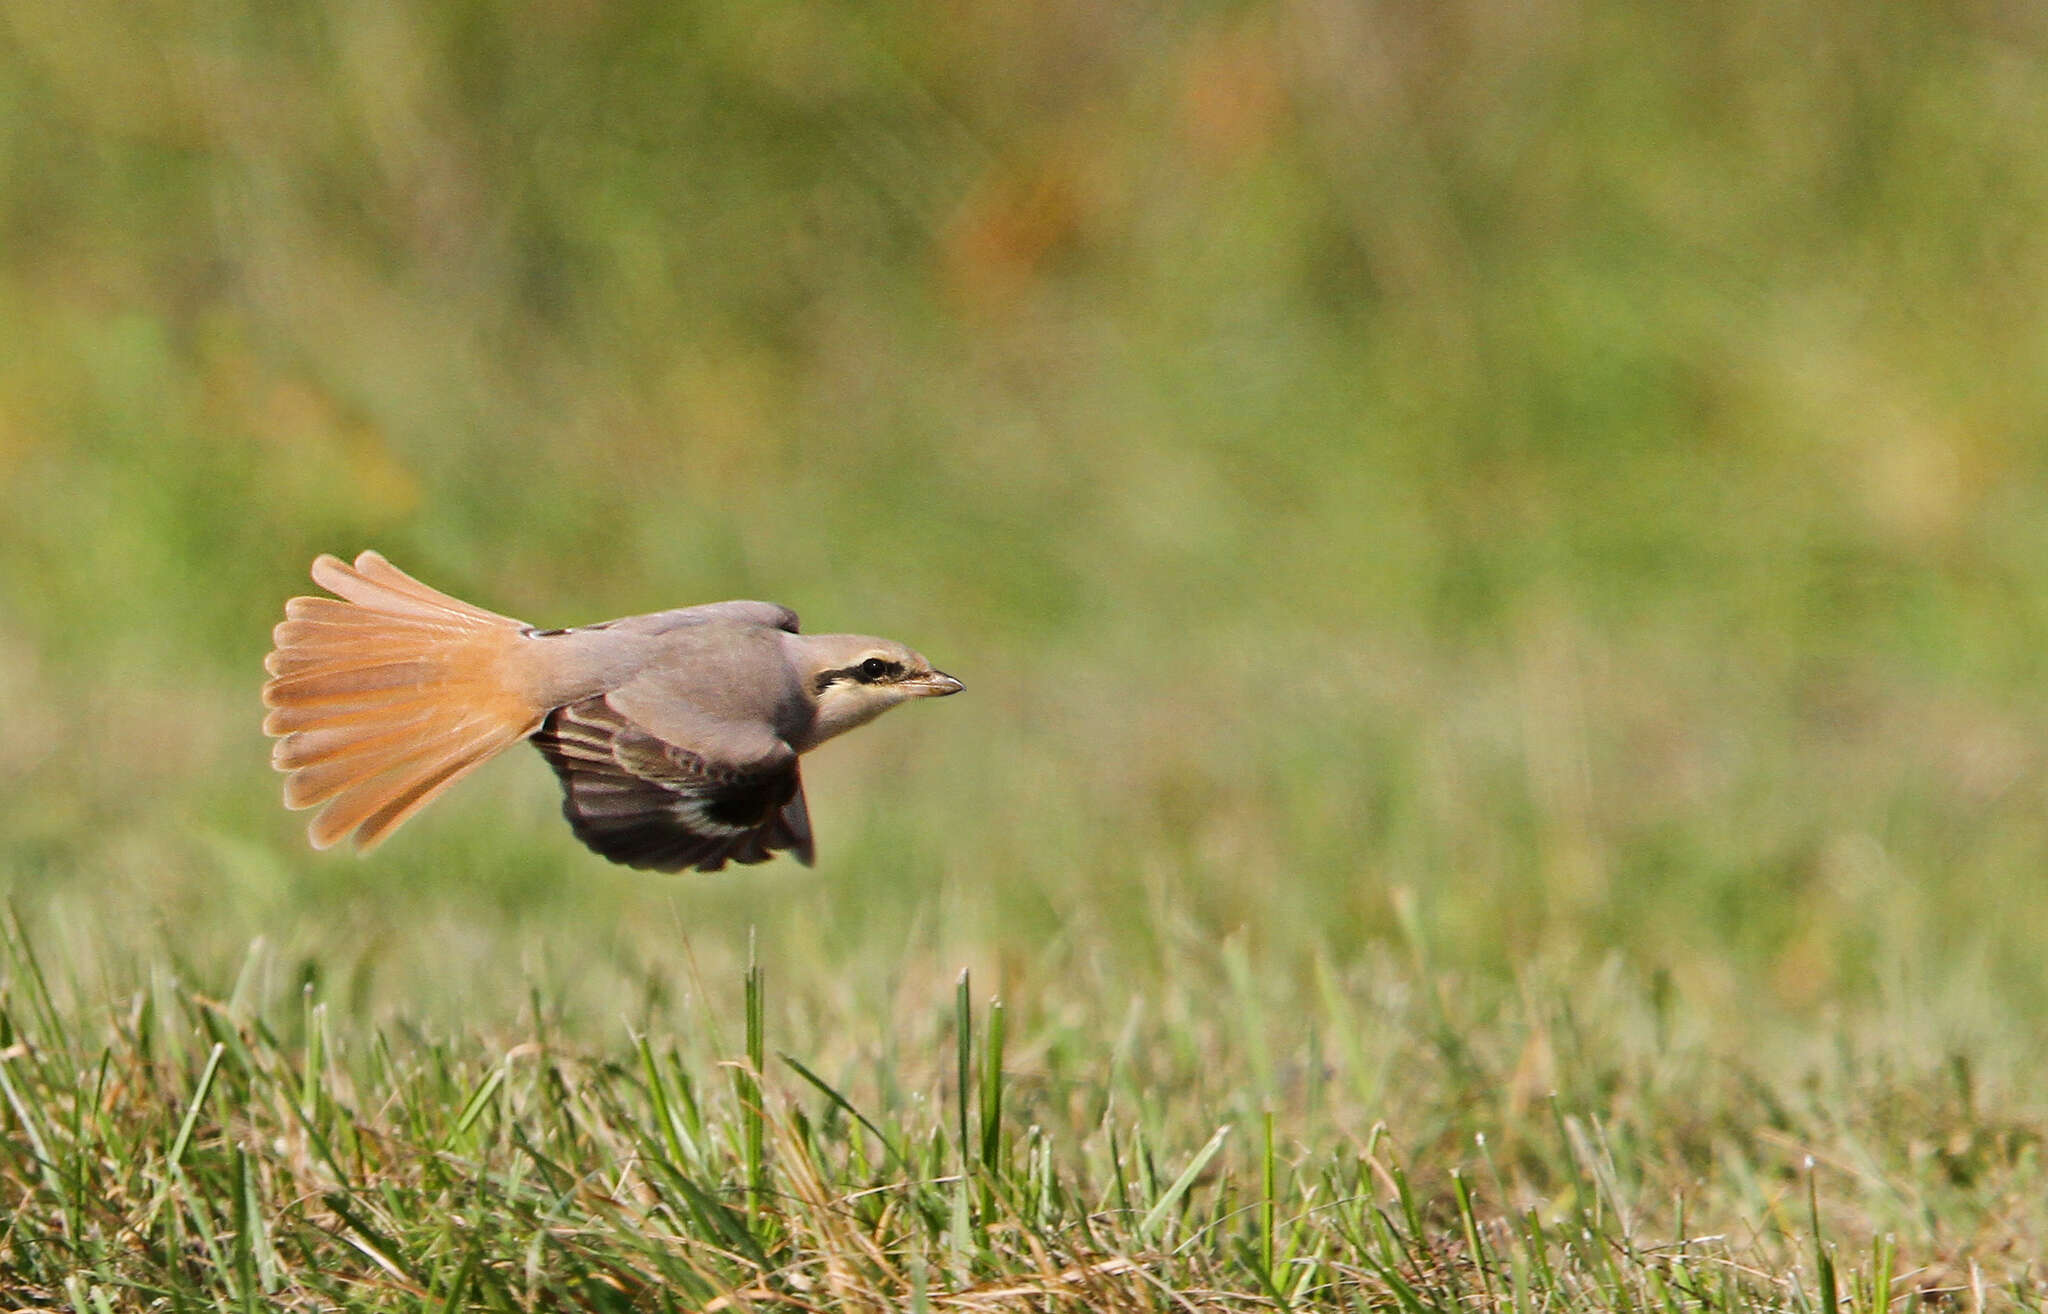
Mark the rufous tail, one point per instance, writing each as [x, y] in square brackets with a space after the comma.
[386, 695]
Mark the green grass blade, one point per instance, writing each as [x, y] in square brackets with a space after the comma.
[183, 1139]
[992, 1089]
[889, 1147]
[1156, 1216]
[1268, 1203]
[1474, 1242]
[747, 1082]
[963, 1053]
[474, 1106]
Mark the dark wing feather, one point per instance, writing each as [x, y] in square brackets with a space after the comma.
[642, 801]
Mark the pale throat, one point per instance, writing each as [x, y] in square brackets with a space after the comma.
[846, 707]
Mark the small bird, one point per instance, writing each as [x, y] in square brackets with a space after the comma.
[676, 734]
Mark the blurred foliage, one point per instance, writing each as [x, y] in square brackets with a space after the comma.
[1569, 474]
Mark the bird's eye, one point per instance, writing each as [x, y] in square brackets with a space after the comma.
[874, 668]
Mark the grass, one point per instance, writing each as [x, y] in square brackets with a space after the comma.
[257, 1148]
[1496, 552]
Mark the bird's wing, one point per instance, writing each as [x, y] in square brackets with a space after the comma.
[772, 615]
[701, 793]
[768, 615]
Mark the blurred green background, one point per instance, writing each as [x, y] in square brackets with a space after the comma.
[1549, 484]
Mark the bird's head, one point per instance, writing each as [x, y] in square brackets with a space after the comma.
[854, 679]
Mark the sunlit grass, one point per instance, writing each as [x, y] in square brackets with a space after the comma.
[1409, 1139]
[259, 1147]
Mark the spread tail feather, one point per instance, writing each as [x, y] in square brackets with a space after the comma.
[388, 694]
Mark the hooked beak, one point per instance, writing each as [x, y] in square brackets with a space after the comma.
[936, 685]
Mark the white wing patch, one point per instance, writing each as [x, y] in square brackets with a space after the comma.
[651, 804]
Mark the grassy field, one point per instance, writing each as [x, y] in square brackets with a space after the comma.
[1499, 556]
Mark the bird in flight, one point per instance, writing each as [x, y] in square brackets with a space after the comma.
[676, 734]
